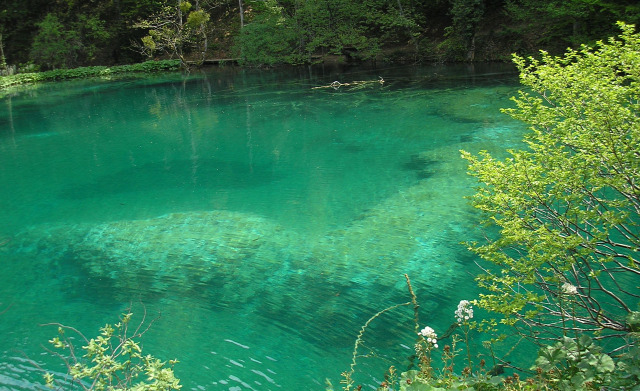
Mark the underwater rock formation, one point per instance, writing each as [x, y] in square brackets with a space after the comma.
[176, 250]
[234, 258]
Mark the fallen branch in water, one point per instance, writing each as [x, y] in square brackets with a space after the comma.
[336, 84]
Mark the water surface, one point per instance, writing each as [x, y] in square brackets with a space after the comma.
[264, 219]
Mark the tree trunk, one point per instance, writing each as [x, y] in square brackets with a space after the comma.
[400, 10]
[205, 41]
[471, 53]
[3, 60]
[179, 40]
[241, 14]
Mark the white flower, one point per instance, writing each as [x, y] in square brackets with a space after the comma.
[430, 335]
[569, 289]
[427, 331]
[464, 311]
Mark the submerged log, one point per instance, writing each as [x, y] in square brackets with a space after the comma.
[336, 84]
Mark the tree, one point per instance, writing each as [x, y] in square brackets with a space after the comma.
[270, 37]
[18, 19]
[466, 16]
[557, 24]
[3, 60]
[294, 31]
[54, 46]
[173, 30]
[566, 256]
[241, 12]
[67, 43]
[93, 36]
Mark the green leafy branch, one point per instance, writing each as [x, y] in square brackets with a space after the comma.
[113, 360]
[566, 208]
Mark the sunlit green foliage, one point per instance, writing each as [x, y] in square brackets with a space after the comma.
[173, 31]
[111, 361]
[568, 208]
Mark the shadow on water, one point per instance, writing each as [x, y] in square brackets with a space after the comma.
[183, 174]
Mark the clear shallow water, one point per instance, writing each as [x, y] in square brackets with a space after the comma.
[264, 219]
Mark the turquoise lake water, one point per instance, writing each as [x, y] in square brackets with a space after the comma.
[264, 219]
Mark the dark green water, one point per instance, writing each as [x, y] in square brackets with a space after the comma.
[264, 219]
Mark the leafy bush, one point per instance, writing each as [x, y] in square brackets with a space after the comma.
[567, 209]
[111, 361]
[269, 39]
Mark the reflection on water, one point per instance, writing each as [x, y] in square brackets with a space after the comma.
[265, 220]
[182, 174]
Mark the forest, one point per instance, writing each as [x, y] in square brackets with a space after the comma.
[45, 35]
